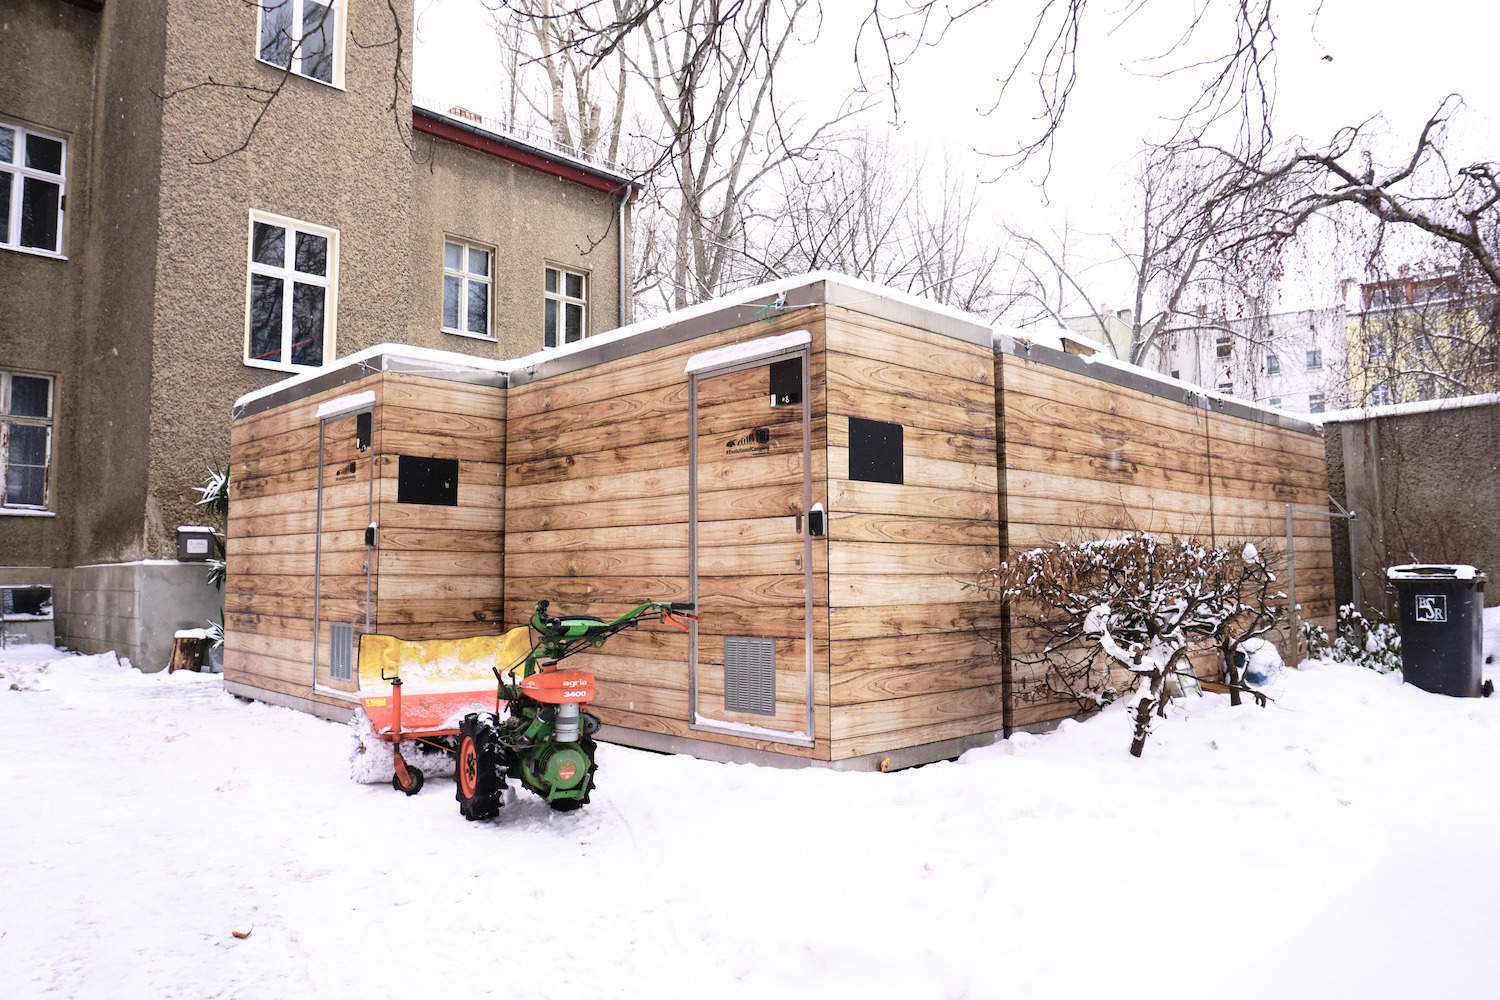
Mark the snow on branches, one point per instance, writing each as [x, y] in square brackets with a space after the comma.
[1137, 604]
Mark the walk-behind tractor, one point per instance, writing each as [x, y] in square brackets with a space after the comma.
[527, 724]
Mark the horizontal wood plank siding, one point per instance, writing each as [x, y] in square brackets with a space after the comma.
[912, 653]
[597, 504]
[435, 572]
[1086, 458]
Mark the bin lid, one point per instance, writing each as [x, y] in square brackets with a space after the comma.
[1433, 571]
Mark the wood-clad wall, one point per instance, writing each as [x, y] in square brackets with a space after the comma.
[597, 520]
[1086, 458]
[579, 488]
[441, 567]
[272, 540]
[436, 569]
[912, 656]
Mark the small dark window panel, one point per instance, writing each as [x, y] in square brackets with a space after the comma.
[875, 452]
[362, 430]
[786, 382]
[427, 480]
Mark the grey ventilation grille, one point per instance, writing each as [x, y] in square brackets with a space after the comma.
[340, 651]
[750, 675]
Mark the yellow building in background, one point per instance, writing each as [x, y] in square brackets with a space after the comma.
[1420, 338]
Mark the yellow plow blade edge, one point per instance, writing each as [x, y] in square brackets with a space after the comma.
[440, 661]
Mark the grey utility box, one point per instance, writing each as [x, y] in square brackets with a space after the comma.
[1442, 631]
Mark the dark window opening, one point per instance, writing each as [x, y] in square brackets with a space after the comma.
[875, 451]
[427, 480]
[786, 382]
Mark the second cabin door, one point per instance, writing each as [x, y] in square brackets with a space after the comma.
[751, 669]
[344, 549]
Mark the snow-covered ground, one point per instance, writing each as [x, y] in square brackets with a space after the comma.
[1341, 843]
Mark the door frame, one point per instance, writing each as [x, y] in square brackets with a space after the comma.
[327, 413]
[695, 721]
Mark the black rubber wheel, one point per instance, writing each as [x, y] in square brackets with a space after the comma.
[416, 781]
[588, 746]
[480, 768]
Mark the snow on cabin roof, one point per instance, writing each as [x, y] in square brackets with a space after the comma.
[381, 357]
[1066, 348]
[769, 294]
[1094, 354]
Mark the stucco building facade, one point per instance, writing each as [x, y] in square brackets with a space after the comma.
[207, 195]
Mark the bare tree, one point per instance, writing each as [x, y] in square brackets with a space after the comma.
[710, 72]
[1459, 207]
[582, 101]
[1190, 274]
[1230, 46]
[872, 213]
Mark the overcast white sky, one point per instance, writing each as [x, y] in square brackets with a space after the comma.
[1386, 59]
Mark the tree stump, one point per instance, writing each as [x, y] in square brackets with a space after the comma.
[187, 653]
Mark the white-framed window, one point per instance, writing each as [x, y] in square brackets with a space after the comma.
[25, 440]
[566, 304]
[1274, 401]
[1273, 364]
[291, 293]
[1315, 361]
[1223, 345]
[1426, 386]
[1316, 402]
[1376, 344]
[1380, 395]
[468, 281]
[33, 189]
[305, 36]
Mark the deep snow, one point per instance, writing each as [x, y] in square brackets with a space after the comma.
[1340, 843]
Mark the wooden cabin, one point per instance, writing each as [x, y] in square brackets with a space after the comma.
[366, 496]
[823, 465]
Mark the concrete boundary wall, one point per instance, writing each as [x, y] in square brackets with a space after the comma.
[1425, 482]
[133, 608]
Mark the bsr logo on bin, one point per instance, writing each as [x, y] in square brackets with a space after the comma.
[1432, 607]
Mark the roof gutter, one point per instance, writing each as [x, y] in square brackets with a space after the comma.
[515, 151]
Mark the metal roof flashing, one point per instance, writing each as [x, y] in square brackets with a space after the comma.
[818, 288]
[390, 358]
[1127, 376]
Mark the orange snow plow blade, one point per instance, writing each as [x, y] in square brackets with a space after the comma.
[442, 680]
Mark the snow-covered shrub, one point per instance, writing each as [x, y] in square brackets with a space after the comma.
[1372, 643]
[1136, 604]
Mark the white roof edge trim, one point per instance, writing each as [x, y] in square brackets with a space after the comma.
[346, 404]
[438, 360]
[745, 296]
[748, 350]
